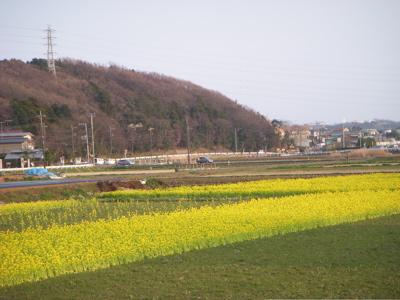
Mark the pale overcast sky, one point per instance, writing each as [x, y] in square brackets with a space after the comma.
[296, 60]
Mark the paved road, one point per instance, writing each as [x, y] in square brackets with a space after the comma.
[19, 184]
[121, 172]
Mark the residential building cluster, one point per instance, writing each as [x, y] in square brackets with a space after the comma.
[322, 138]
[20, 146]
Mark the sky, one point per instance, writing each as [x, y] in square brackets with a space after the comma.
[301, 61]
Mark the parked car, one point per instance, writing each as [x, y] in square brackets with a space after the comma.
[124, 162]
[109, 161]
[99, 161]
[204, 160]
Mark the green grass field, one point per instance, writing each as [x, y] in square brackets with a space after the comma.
[351, 260]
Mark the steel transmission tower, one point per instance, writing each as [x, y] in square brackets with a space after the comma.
[50, 54]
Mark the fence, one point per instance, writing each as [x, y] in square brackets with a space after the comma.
[181, 159]
[18, 170]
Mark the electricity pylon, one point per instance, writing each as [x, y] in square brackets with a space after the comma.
[50, 54]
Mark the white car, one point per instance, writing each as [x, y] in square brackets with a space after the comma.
[124, 162]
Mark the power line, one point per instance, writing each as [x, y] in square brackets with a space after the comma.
[244, 67]
[321, 101]
[178, 53]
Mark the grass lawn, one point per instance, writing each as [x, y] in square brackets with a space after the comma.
[352, 260]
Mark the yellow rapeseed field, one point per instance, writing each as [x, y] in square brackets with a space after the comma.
[266, 188]
[37, 253]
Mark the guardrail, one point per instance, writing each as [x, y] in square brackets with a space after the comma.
[48, 168]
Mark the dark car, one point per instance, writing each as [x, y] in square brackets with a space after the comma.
[124, 162]
[204, 160]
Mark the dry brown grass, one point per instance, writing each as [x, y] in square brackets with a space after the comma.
[369, 153]
[336, 155]
[362, 153]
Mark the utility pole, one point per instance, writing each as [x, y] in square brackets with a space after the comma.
[111, 135]
[43, 132]
[343, 134]
[50, 54]
[87, 140]
[236, 142]
[151, 142]
[1, 126]
[188, 137]
[91, 115]
[72, 142]
[9, 124]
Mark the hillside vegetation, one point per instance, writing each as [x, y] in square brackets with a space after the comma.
[127, 105]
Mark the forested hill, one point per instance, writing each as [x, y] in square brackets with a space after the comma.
[137, 111]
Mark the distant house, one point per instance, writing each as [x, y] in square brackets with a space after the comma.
[336, 136]
[352, 140]
[340, 130]
[293, 150]
[333, 140]
[15, 134]
[8, 145]
[15, 140]
[300, 135]
[26, 157]
[370, 132]
[25, 154]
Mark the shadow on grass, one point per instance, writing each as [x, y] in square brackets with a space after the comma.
[352, 260]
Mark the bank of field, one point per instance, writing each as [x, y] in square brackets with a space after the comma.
[131, 230]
